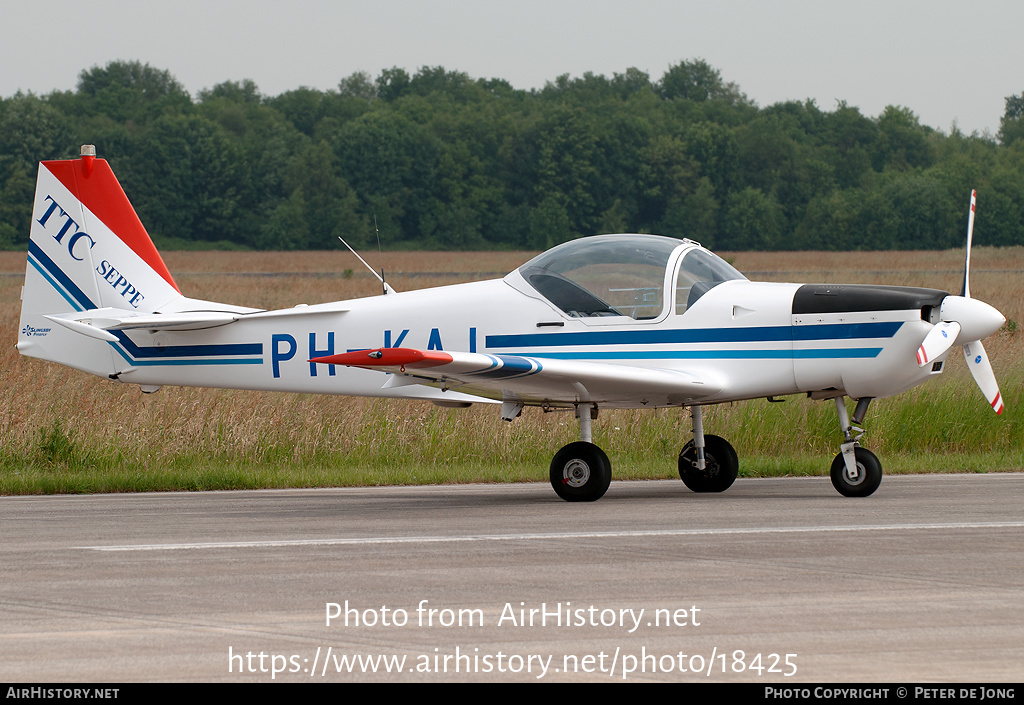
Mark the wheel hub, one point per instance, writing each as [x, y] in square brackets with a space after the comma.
[854, 479]
[710, 466]
[576, 473]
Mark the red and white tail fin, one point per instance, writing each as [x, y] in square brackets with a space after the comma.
[87, 250]
[87, 237]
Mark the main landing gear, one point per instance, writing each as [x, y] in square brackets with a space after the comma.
[707, 463]
[581, 472]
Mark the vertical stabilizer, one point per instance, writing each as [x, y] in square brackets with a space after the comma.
[87, 250]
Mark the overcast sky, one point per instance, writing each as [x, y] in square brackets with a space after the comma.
[946, 60]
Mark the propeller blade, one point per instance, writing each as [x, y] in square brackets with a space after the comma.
[978, 318]
[966, 290]
[981, 369]
[939, 340]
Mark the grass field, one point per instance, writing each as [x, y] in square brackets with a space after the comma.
[65, 431]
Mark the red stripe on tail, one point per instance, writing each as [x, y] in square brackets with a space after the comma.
[93, 183]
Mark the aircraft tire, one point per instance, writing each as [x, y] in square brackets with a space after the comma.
[722, 465]
[581, 472]
[870, 474]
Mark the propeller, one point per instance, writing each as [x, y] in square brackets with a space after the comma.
[965, 321]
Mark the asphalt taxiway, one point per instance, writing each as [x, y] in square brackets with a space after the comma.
[777, 580]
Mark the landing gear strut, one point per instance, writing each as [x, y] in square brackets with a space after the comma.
[707, 463]
[856, 471]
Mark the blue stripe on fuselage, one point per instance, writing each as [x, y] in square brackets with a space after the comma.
[169, 351]
[820, 353]
[760, 334]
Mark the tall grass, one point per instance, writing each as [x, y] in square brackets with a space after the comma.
[64, 431]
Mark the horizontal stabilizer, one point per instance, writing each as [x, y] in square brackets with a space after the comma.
[85, 328]
[95, 322]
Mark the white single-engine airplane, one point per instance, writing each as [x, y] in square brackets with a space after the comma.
[612, 321]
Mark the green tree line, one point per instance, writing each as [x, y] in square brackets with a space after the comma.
[439, 160]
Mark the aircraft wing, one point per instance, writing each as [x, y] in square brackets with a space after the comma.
[533, 380]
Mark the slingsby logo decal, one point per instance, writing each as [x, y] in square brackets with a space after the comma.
[31, 331]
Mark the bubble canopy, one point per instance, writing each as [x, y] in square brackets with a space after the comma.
[625, 275]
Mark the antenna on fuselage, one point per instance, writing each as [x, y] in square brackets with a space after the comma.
[380, 277]
[380, 254]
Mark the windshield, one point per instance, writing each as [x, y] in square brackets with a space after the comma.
[699, 272]
[606, 275]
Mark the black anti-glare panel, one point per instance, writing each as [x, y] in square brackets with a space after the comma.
[838, 298]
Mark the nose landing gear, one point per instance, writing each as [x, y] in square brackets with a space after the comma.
[856, 471]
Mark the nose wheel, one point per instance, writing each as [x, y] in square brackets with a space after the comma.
[862, 479]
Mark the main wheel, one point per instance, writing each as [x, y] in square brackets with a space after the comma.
[581, 472]
[869, 474]
[721, 465]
